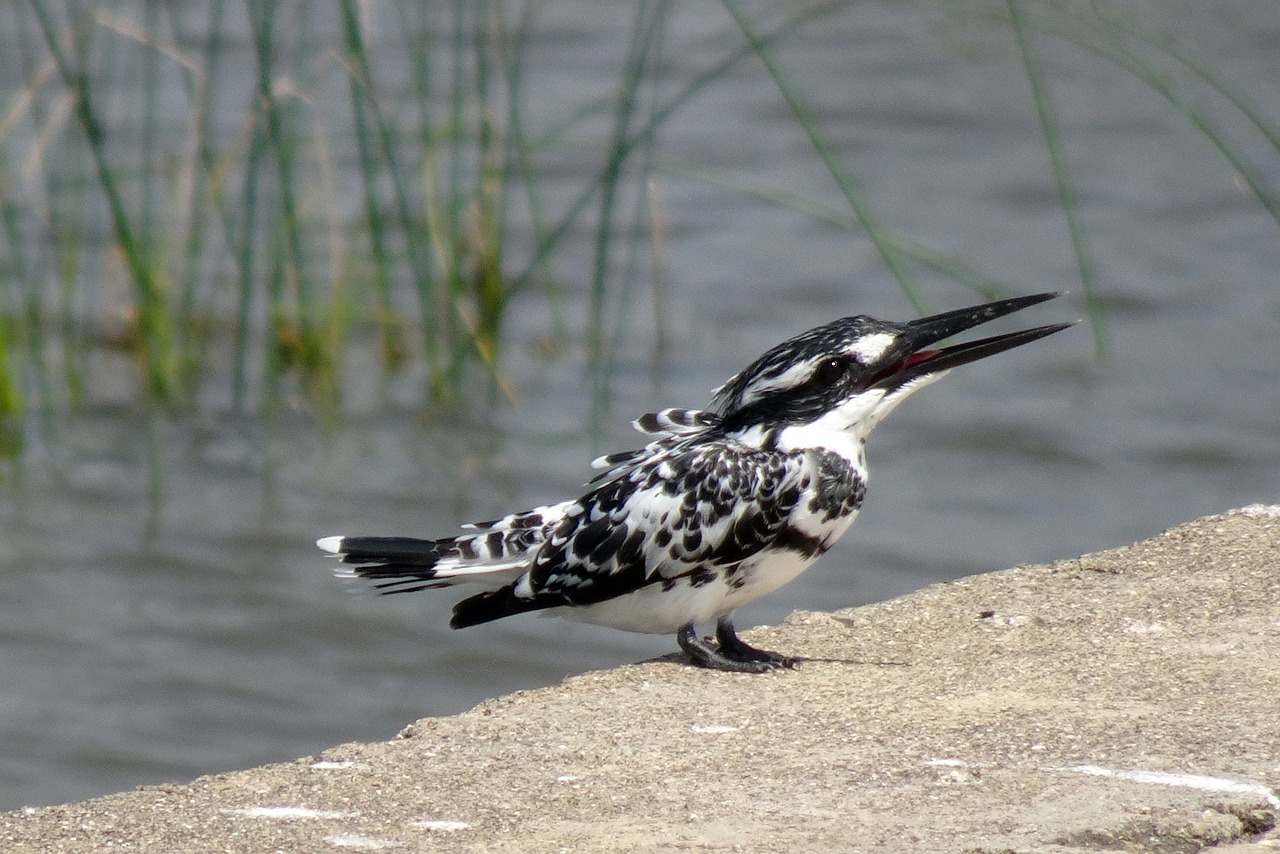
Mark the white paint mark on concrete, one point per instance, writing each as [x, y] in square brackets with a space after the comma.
[1186, 781]
[351, 840]
[1004, 620]
[327, 765]
[713, 729]
[441, 825]
[288, 812]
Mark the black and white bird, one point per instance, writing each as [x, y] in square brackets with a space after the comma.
[718, 509]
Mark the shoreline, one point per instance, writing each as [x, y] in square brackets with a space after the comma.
[1125, 699]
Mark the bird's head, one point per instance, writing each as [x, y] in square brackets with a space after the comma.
[848, 374]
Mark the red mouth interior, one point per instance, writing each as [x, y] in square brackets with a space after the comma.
[915, 359]
[907, 364]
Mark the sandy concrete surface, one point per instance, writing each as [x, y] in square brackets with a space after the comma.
[1127, 700]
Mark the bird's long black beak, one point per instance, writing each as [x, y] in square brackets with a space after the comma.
[911, 354]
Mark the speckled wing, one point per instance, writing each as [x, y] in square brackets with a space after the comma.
[673, 427]
[695, 508]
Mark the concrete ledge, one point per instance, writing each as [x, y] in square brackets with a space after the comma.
[1125, 700]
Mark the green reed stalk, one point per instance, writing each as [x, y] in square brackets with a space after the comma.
[1209, 76]
[1086, 268]
[451, 216]
[26, 302]
[519, 156]
[429, 277]
[363, 110]
[644, 238]
[1105, 42]
[645, 133]
[65, 213]
[646, 25]
[10, 388]
[845, 181]
[292, 274]
[246, 251]
[467, 206]
[148, 136]
[152, 318]
[490, 198]
[204, 197]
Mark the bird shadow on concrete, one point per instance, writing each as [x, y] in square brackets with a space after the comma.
[683, 660]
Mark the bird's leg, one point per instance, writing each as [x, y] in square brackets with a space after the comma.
[734, 647]
[732, 655]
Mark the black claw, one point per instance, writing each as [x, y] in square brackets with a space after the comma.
[737, 649]
[730, 654]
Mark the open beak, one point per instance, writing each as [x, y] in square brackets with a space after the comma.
[911, 358]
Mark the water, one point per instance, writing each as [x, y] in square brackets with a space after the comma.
[163, 612]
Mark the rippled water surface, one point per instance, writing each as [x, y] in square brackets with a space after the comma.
[163, 612]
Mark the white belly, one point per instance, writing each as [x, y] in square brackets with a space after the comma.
[653, 610]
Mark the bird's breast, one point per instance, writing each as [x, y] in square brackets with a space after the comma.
[839, 485]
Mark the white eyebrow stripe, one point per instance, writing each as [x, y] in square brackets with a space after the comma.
[868, 348]
[789, 378]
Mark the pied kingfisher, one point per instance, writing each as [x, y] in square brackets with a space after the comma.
[717, 510]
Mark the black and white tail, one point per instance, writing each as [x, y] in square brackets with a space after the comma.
[491, 554]
[495, 554]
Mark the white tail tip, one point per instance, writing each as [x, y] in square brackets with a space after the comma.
[333, 545]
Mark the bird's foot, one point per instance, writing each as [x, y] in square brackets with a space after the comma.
[730, 653]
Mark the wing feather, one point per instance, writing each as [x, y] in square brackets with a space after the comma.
[673, 427]
[684, 508]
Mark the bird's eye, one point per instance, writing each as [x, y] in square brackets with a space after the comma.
[830, 370]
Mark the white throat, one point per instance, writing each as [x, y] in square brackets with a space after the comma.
[844, 429]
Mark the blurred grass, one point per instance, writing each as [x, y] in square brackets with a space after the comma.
[386, 181]
[1110, 33]
[844, 179]
[235, 245]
